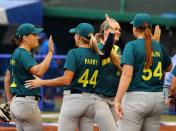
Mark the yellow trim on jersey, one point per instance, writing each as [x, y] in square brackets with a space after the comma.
[13, 84]
[108, 60]
[116, 48]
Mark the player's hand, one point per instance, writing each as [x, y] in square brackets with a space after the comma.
[51, 45]
[37, 82]
[111, 22]
[118, 109]
[157, 33]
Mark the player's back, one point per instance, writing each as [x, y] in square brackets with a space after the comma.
[149, 80]
[85, 64]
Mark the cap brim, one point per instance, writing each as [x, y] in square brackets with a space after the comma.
[37, 30]
[73, 30]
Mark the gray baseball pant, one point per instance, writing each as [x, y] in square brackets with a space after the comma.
[141, 111]
[110, 102]
[81, 110]
[104, 108]
[26, 113]
[75, 107]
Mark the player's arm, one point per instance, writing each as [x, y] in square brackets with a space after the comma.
[126, 77]
[41, 68]
[7, 85]
[109, 42]
[127, 73]
[65, 80]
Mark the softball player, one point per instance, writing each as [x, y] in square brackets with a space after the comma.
[144, 62]
[24, 105]
[81, 70]
[108, 79]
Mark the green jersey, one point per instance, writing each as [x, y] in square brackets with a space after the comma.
[148, 80]
[108, 78]
[20, 63]
[85, 64]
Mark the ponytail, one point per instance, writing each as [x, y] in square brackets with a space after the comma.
[115, 58]
[148, 47]
[93, 44]
[15, 40]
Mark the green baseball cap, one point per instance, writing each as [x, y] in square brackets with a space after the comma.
[83, 29]
[26, 29]
[140, 19]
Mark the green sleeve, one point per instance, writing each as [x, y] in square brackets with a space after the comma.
[128, 55]
[27, 60]
[166, 59]
[70, 62]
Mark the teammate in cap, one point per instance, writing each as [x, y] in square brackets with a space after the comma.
[24, 105]
[144, 62]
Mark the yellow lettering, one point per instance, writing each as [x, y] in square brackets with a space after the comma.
[156, 54]
[90, 61]
[85, 61]
[105, 61]
[12, 62]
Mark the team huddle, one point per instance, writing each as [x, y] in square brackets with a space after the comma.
[118, 90]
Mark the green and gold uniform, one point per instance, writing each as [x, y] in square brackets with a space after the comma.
[109, 76]
[24, 105]
[147, 80]
[85, 68]
[79, 102]
[143, 102]
[20, 63]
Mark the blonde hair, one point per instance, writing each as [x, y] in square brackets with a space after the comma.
[115, 58]
[92, 43]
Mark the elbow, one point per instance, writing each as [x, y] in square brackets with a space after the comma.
[36, 71]
[38, 74]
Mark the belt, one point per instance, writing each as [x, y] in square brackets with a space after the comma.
[37, 98]
[104, 95]
[73, 91]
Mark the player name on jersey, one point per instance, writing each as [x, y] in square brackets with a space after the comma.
[91, 61]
